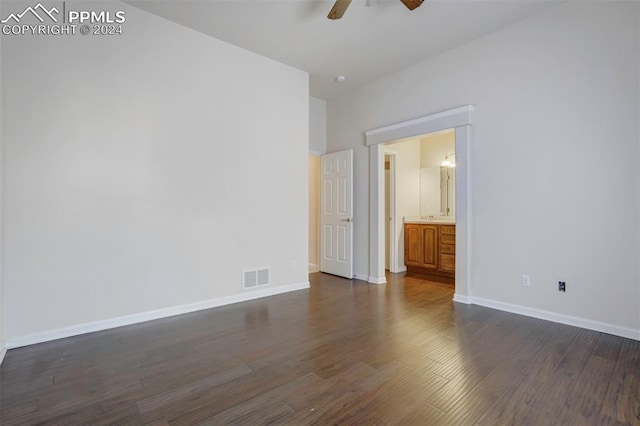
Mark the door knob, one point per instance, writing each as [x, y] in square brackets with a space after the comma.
[347, 220]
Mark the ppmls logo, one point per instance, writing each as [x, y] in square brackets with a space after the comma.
[34, 12]
[41, 20]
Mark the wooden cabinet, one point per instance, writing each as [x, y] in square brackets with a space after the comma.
[420, 246]
[430, 250]
[447, 248]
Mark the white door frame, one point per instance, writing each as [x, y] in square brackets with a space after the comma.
[458, 118]
[394, 266]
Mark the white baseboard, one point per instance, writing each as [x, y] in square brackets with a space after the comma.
[616, 330]
[3, 352]
[313, 268]
[461, 299]
[370, 280]
[361, 277]
[90, 327]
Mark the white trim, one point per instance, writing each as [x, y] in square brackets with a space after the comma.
[2, 354]
[376, 211]
[616, 330]
[401, 269]
[313, 268]
[393, 225]
[316, 153]
[377, 280]
[361, 277]
[461, 116]
[464, 244]
[90, 327]
[462, 299]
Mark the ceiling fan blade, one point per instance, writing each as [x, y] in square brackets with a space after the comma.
[412, 4]
[338, 9]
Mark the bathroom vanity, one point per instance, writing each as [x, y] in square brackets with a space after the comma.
[430, 249]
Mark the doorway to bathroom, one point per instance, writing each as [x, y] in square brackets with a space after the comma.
[419, 206]
[460, 119]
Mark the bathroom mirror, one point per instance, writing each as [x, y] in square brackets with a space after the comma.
[437, 191]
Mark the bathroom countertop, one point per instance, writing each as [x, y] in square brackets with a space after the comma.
[433, 222]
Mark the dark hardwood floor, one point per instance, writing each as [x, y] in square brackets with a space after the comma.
[343, 352]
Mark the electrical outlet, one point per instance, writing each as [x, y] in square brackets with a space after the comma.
[526, 281]
[293, 264]
[562, 286]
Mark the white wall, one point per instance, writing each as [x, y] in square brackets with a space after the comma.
[434, 146]
[317, 126]
[555, 145]
[407, 188]
[146, 171]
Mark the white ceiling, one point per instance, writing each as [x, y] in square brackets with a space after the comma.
[366, 44]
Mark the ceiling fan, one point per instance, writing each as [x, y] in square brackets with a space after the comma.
[340, 7]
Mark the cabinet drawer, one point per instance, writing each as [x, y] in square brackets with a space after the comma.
[447, 262]
[447, 239]
[448, 229]
[447, 248]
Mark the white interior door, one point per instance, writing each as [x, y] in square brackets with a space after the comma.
[336, 229]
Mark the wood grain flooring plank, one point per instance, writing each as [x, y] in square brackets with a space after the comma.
[158, 400]
[402, 394]
[275, 398]
[505, 366]
[584, 402]
[553, 395]
[622, 397]
[325, 411]
[202, 405]
[529, 369]
[271, 415]
[327, 390]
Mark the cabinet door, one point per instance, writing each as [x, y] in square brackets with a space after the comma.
[412, 254]
[429, 246]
